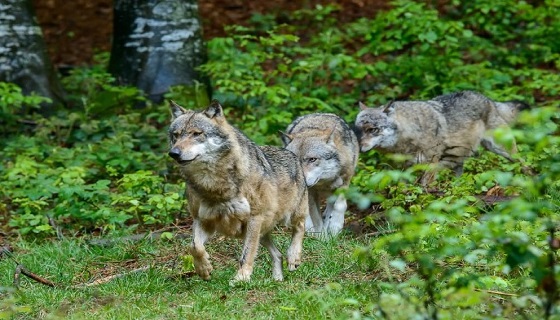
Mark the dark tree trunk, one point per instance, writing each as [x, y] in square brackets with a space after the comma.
[157, 44]
[23, 54]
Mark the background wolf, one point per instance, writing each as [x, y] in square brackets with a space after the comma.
[328, 150]
[444, 130]
[237, 188]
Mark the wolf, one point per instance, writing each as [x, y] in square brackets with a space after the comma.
[237, 189]
[444, 130]
[328, 150]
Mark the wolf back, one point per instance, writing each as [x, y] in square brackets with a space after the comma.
[328, 150]
[237, 188]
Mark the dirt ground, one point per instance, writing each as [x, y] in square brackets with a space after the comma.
[75, 30]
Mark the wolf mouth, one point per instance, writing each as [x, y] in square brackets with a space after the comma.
[185, 162]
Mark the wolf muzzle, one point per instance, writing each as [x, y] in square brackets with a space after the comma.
[175, 153]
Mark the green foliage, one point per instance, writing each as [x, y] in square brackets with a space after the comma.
[98, 169]
[13, 103]
[190, 97]
[94, 89]
[9, 306]
[269, 77]
[482, 245]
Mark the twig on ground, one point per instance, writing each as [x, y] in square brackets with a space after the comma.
[497, 292]
[379, 233]
[20, 269]
[111, 277]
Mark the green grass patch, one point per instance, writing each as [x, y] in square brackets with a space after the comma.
[329, 283]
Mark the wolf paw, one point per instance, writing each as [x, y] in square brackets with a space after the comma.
[204, 270]
[278, 277]
[242, 276]
[293, 264]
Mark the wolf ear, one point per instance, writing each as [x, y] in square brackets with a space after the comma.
[389, 107]
[214, 110]
[362, 106]
[286, 138]
[176, 110]
[330, 139]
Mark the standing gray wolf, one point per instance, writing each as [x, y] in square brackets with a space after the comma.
[328, 150]
[445, 130]
[237, 189]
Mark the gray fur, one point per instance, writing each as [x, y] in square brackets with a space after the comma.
[445, 130]
[328, 150]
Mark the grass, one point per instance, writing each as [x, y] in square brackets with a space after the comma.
[329, 283]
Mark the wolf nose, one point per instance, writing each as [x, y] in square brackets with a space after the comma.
[175, 153]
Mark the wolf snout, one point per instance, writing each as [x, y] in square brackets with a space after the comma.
[175, 153]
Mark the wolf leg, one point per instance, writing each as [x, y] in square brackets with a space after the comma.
[275, 255]
[250, 247]
[294, 251]
[334, 215]
[201, 260]
[314, 222]
[489, 144]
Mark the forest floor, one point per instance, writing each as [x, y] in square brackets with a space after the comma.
[75, 31]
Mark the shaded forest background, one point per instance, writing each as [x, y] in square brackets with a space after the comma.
[75, 30]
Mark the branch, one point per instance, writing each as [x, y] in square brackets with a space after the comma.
[20, 269]
[498, 293]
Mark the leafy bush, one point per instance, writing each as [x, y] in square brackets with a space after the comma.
[13, 103]
[90, 170]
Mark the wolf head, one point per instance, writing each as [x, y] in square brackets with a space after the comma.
[510, 109]
[319, 157]
[376, 128]
[197, 136]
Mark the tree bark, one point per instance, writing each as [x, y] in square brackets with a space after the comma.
[157, 44]
[23, 54]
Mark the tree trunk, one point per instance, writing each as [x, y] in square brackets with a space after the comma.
[23, 54]
[157, 44]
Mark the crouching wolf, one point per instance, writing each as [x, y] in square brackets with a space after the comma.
[328, 150]
[445, 130]
[237, 189]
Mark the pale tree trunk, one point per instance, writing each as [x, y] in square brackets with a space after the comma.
[157, 44]
[23, 55]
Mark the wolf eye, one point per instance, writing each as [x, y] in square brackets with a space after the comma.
[176, 135]
[311, 160]
[371, 130]
[196, 133]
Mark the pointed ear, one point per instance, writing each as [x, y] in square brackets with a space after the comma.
[330, 139]
[362, 106]
[286, 138]
[176, 110]
[214, 110]
[389, 107]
